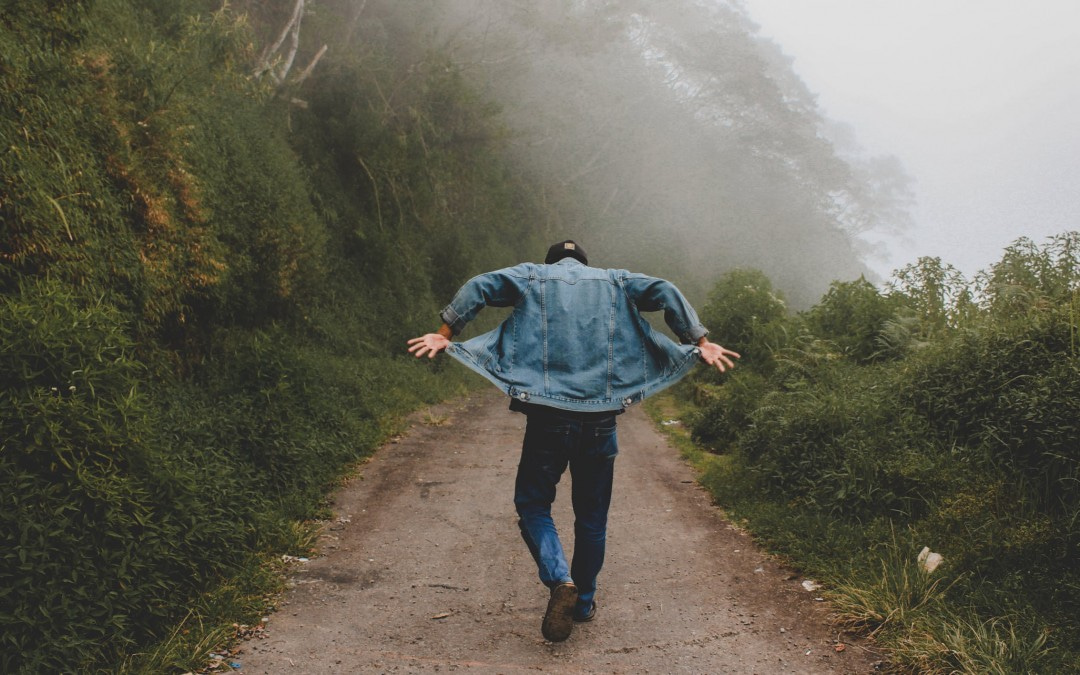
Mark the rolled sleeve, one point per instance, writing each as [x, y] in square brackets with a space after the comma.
[694, 334]
[451, 318]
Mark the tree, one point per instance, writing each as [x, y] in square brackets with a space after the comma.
[670, 135]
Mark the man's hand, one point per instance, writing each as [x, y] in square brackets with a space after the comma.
[430, 344]
[715, 355]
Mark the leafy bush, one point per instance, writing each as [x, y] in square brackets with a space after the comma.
[724, 410]
[1029, 279]
[963, 438]
[200, 328]
[936, 293]
[76, 520]
[749, 314]
[854, 315]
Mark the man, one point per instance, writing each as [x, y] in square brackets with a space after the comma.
[573, 354]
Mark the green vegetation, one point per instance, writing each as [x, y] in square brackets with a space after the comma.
[206, 290]
[207, 278]
[937, 413]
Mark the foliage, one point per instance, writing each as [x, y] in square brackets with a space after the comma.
[855, 315]
[936, 292]
[749, 313]
[1028, 280]
[939, 411]
[205, 289]
[725, 409]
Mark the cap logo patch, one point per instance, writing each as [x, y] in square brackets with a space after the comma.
[569, 246]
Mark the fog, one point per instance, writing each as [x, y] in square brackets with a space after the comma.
[670, 136]
[977, 99]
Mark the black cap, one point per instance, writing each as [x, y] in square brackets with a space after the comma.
[566, 249]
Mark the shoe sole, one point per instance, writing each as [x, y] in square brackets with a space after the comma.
[559, 618]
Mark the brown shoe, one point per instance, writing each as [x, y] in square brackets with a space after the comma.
[559, 618]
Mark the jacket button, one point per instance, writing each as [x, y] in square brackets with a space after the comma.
[523, 396]
[627, 401]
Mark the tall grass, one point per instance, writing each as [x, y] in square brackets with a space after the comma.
[897, 595]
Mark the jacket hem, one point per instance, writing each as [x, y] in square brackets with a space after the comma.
[578, 405]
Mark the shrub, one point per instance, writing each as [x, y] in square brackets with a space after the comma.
[854, 315]
[724, 411]
[198, 331]
[962, 439]
[749, 315]
[75, 523]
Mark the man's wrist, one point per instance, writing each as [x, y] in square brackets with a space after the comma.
[446, 331]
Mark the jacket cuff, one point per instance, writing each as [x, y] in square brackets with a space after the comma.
[692, 336]
[452, 319]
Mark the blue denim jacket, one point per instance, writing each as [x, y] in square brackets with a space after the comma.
[575, 339]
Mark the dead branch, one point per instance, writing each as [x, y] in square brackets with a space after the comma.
[286, 65]
[267, 60]
[299, 79]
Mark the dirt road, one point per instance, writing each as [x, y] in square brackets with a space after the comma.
[424, 571]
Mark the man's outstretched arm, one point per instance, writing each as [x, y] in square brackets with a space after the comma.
[715, 355]
[432, 343]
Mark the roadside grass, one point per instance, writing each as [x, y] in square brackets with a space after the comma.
[215, 623]
[873, 579]
[670, 412]
[221, 618]
[962, 643]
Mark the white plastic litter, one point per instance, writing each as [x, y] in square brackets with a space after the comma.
[930, 560]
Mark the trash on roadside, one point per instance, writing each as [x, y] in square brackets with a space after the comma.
[930, 560]
[810, 585]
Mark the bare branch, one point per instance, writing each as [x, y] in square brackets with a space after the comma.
[267, 57]
[299, 79]
[294, 45]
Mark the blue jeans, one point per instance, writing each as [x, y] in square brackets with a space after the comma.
[588, 445]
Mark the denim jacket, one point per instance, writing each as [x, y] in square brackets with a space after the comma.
[575, 339]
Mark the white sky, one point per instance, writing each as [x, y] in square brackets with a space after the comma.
[979, 99]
